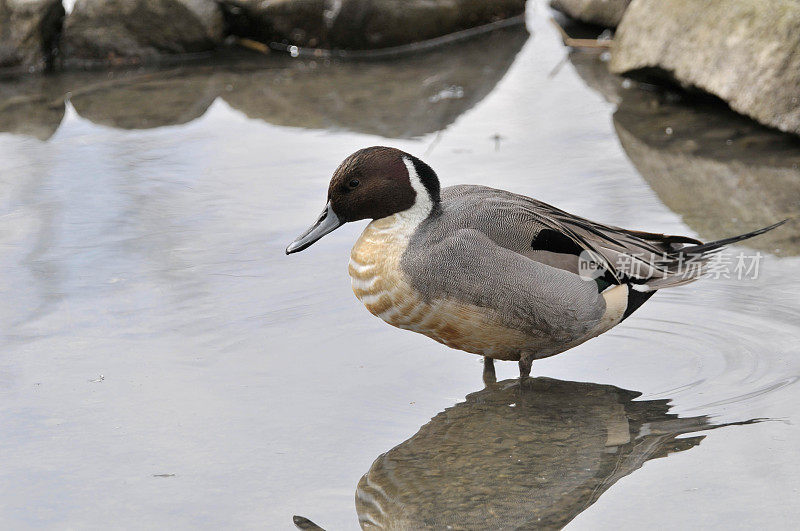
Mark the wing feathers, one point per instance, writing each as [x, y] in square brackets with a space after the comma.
[647, 260]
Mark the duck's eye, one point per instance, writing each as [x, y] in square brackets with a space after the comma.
[353, 183]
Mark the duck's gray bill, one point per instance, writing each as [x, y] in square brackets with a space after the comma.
[328, 222]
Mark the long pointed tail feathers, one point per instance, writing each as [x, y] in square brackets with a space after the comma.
[691, 262]
[719, 244]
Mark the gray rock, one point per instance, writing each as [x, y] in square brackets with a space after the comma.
[28, 29]
[746, 52]
[297, 22]
[131, 31]
[361, 24]
[366, 24]
[606, 13]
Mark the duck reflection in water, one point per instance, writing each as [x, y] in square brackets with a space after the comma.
[511, 456]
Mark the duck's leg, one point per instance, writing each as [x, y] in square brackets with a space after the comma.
[525, 362]
[489, 377]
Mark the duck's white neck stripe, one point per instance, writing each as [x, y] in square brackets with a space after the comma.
[403, 224]
[423, 204]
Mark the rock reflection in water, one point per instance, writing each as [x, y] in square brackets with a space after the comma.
[399, 98]
[148, 101]
[511, 456]
[30, 106]
[722, 172]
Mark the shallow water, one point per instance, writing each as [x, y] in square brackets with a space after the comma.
[165, 364]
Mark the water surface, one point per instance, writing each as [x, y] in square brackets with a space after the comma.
[165, 364]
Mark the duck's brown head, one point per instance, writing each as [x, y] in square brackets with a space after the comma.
[373, 183]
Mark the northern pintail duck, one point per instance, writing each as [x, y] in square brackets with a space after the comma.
[488, 271]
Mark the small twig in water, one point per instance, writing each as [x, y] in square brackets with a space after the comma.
[580, 43]
[257, 46]
[556, 69]
[433, 144]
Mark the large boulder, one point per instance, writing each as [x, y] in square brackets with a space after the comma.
[297, 22]
[365, 24]
[28, 31]
[746, 52]
[607, 13]
[361, 24]
[131, 31]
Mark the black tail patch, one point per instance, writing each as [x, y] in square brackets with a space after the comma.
[635, 299]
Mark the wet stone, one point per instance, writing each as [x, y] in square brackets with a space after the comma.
[746, 52]
[361, 24]
[28, 31]
[134, 31]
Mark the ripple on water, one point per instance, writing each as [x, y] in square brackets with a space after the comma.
[738, 340]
